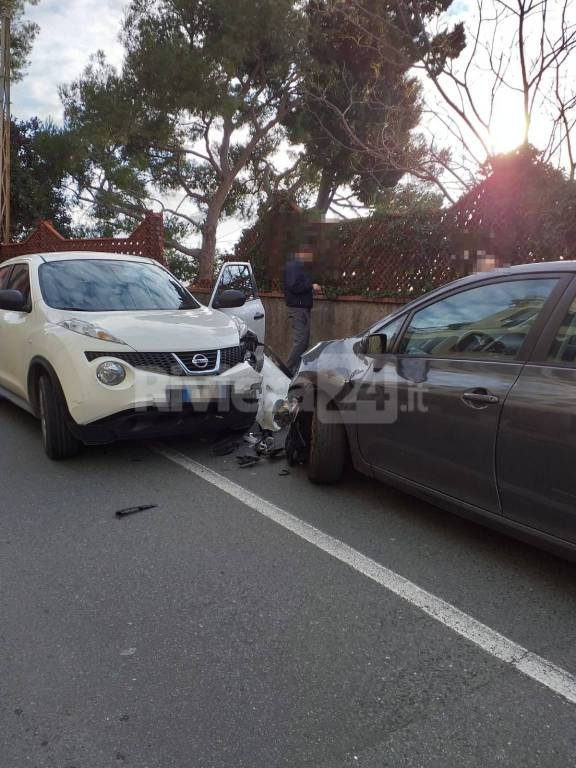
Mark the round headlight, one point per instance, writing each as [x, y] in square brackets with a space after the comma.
[111, 373]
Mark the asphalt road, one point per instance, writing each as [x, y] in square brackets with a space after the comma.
[201, 634]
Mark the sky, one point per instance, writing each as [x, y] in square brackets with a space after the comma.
[70, 31]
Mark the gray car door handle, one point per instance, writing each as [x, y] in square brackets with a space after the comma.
[479, 398]
[259, 316]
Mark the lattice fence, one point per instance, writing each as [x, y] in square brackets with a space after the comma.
[146, 240]
[397, 256]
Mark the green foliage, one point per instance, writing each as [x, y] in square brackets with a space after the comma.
[210, 88]
[193, 54]
[408, 198]
[280, 228]
[525, 209]
[42, 157]
[181, 266]
[392, 255]
[194, 112]
[23, 34]
[361, 102]
[112, 175]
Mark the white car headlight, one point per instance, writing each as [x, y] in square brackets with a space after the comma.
[241, 325]
[91, 330]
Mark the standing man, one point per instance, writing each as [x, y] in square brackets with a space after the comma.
[299, 293]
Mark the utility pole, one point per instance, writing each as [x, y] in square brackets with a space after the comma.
[5, 130]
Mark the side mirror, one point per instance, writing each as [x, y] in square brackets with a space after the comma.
[374, 345]
[229, 299]
[13, 301]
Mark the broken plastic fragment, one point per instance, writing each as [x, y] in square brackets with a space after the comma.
[134, 510]
[275, 386]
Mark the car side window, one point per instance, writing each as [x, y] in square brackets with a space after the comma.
[563, 349]
[391, 329]
[238, 277]
[487, 322]
[4, 276]
[20, 281]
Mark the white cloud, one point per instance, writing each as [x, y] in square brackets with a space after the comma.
[70, 31]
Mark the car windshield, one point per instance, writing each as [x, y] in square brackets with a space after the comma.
[94, 285]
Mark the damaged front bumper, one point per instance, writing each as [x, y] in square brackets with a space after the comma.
[154, 405]
[275, 385]
[149, 405]
[154, 423]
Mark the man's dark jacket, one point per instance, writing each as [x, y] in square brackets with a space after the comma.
[297, 285]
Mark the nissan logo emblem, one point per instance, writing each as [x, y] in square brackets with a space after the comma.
[200, 361]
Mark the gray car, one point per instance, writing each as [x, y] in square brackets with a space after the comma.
[466, 397]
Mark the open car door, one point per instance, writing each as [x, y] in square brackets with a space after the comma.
[238, 275]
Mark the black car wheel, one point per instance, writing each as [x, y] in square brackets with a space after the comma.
[59, 442]
[328, 445]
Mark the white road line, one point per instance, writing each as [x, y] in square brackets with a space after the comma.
[543, 671]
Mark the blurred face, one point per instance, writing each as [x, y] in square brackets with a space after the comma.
[305, 256]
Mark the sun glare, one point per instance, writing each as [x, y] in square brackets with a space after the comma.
[506, 128]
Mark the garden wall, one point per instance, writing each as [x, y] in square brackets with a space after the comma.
[331, 318]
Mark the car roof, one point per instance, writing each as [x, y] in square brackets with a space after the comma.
[519, 269]
[38, 258]
[561, 265]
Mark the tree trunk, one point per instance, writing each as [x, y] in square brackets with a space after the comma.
[207, 252]
[325, 192]
[209, 229]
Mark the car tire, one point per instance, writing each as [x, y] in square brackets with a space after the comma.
[59, 442]
[328, 447]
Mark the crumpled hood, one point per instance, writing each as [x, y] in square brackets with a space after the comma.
[166, 331]
[334, 364]
[341, 351]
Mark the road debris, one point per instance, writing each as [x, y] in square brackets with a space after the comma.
[271, 445]
[247, 461]
[226, 447]
[252, 438]
[134, 510]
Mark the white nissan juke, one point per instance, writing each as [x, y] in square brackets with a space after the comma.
[102, 347]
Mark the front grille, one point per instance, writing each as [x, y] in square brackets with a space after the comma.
[189, 358]
[232, 356]
[166, 362]
[155, 362]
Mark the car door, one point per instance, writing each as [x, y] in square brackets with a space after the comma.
[454, 364]
[4, 277]
[240, 276]
[14, 332]
[537, 437]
